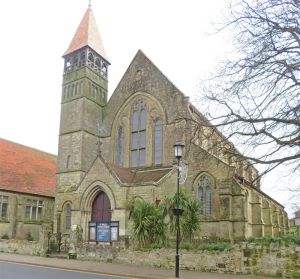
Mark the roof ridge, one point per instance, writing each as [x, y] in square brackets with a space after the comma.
[28, 147]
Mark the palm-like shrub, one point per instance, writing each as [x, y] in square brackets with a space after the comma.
[190, 219]
[148, 225]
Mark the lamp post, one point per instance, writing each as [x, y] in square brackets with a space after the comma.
[178, 149]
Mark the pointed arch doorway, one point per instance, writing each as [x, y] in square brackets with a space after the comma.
[101, 208]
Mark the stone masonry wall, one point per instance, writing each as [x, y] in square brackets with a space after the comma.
[23, 247]
[274, 260]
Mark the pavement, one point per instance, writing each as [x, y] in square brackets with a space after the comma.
[122, 270]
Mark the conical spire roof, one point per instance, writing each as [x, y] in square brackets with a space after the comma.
[87, 34]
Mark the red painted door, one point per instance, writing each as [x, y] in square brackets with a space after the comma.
[101, 210]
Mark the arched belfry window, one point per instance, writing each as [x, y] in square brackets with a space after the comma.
[120, 147]
[91, 57]
[138, 135]
[98, 63]
[205, 195]
[158, 142]
[68, 215]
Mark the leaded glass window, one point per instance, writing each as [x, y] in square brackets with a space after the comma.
[158, 142]
[138, 135]
[120, 147]
[205, 195]
[208, 201]
[201, 200]
[4, 206]
[68, 216]
[34, 209]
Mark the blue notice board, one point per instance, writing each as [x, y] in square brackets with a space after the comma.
[103, 231]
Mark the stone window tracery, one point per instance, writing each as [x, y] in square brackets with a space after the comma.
[138, 135]
[205, 195]
[158, 142]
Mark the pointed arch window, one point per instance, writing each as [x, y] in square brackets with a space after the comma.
[120, 147]
[138, 135]
[205, 195]
[68, 216]
[91, 57]
[158, 142]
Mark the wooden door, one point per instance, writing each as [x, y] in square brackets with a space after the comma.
[101, 210]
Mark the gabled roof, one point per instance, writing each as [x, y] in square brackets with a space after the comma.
[140, 176]
[26, 170]
[87, 34]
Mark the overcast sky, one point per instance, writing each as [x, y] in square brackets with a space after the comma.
[175, 34]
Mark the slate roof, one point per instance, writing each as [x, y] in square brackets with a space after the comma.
[145, 175]
[26, 170]
[87, 34]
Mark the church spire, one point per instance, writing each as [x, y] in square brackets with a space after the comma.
[87, 34]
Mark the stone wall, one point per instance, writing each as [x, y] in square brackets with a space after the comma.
[23, 247]
[274, 260]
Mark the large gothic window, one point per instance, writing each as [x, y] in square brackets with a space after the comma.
[138, 135]
[158, 142]
[205, 195]
[120, 147]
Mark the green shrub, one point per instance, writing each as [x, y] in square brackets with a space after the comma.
[186, 246]
[297, 240]
[296, 274]
[189, 220]
[148, 225]
[281, 240]
[223, 246]
[158, 245]
[251, 239]
[5, 236]
[29, 237]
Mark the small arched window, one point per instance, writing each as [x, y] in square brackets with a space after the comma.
[120, 147]
[75, 59]
[158, 142]
[205, 195]
[98, 63]
[82, 56]
[68, 216]
[103, 69]
[91, 57]
[138, 135]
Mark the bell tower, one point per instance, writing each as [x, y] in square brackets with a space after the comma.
[84, 97]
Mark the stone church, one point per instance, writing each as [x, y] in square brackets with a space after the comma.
[120, 149]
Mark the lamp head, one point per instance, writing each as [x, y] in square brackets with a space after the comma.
[178, 150]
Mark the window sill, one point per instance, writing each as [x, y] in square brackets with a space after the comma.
[34, 222]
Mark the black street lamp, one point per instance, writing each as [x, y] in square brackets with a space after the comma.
[178, 148]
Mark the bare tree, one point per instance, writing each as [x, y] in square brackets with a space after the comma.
[257, 89]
